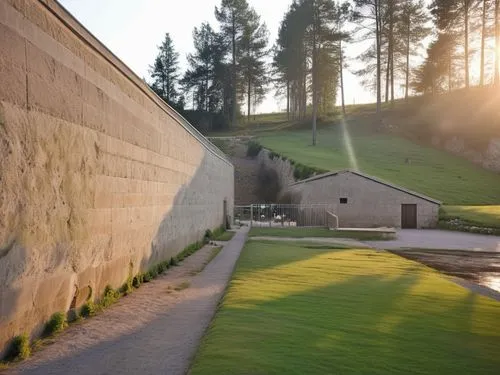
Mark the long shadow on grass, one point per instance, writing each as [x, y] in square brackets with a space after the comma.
[366, 324]
[260, 255]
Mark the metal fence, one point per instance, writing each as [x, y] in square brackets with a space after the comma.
[284, 215]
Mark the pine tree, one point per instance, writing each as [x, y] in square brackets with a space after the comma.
[233, 18]
[412, 28]
[369, 13]
[252, 65]
[207, 74]
[164, 71]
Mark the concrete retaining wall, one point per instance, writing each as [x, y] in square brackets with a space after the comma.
[99, 178]
[283, 168]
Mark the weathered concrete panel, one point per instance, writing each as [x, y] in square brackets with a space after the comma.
[99, 178]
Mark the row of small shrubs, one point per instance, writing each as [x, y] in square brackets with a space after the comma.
[20, 348]
[254, 148]
[300, 171]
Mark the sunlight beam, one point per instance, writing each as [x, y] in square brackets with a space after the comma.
[353, 162]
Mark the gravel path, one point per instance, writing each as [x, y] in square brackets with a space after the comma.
[155, 330]
[439, 239]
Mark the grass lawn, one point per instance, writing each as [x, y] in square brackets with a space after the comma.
[438, 174]
[302, 309]
[486, 216]
[226, 236]
[314, 232]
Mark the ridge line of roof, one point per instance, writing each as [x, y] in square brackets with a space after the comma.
[372, 178]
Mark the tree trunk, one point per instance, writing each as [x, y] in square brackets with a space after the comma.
[407, 83]
[466, 42]
[387, 71]
[233, 120]
[449, 72]
[288, 100]
[497, 42]
[377, 34]
[342, 78]
[314, 82]
[303, 91]
[249, 93]
[483, 39]
[391, 49]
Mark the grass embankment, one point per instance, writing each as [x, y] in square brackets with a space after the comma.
[226, 236]
[299, 232]
[479, 219]
[301, 309]
[435, 173]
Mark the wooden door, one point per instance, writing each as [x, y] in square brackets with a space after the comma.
[409, 216]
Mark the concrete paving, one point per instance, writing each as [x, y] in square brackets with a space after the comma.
[164, 343]
[439, 239]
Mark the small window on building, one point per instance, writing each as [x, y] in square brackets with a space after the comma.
[343, 200]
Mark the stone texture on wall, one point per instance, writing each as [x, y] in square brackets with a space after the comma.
[99, 178]
[369, 204]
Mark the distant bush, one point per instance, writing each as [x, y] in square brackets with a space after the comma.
[208, 236]
[126, 288]
[88, 309]
[189, 250]
[137, 280]
[19, 348]
[111, 296]
[56, 324]
[254, 148]
[301, 171]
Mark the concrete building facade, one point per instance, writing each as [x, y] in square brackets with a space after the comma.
[99, 177]
[364, 201]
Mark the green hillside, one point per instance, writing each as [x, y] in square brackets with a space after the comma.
[438, 174]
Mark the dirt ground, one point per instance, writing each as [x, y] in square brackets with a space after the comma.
[156, 329]
[478, 267]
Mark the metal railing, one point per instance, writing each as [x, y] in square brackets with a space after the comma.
[284, 215]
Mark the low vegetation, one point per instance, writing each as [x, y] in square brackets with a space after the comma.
[435, 173]
[253, 148]
[20, 347]
[226, 236]
[57, 323]
[300, 232]
[296, 309]
[474, 219]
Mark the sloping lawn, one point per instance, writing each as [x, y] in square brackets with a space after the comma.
[226, 236]
[486, 216]
[435, 173]
[303, 309]
[315, 232]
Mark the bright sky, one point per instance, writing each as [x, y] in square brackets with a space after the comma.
[133, 29]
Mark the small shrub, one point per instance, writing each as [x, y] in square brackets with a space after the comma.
[56, 324]
[19, 348]
[137, 280]
[126, 288]
[208, 236]
[147, 277]
[173, 262]
[153, 271]
[253, 149]
[161, 268]
[111, 296]
[88, 310]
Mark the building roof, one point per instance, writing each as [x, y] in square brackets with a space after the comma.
[371, 178]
